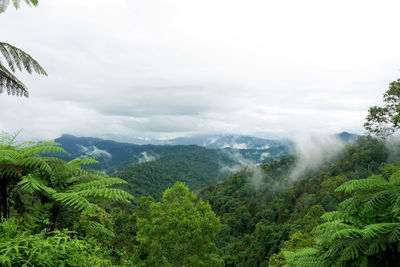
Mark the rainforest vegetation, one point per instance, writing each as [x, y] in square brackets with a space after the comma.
[58, 211]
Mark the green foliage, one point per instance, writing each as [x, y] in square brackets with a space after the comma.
[179, 231]
[45, 195]
[384, 121]
[57, 248]
[258, 220]
[365, 231]
[196, 166]
[23, 162]
[75, 189]
[296, 241]
[16, 59]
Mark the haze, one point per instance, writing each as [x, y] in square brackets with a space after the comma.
[162, 69]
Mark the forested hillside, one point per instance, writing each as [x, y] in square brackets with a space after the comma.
[139, 70]
[257, 220]
[196, 166]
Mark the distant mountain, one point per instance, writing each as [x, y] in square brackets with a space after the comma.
[112, 155]
[243, 149]
[150, 169]
[225, 141]
[199, 160]
[347, 137]
[246, 149]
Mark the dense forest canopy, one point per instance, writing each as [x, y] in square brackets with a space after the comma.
[60, 211]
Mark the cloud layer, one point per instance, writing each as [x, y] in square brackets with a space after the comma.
[159, 69]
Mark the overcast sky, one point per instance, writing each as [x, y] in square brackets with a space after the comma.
[158, 69]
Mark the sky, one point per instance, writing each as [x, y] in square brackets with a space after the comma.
[160, 69]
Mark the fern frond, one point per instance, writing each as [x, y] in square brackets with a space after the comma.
[105, 182]
[100, 229]
[53, 160]
[379, 202]
[7, 139]
[379, 229]
[351, 205]
[43, 148]
[10, 171]
[371, 183]
[352, 233]
[331, 227]
[16, 58]
[31, 184]
[78, 162]
[377, 246]
[74, 202]
[11, 83]
[35, 162]
[303, 257]
[8, 156]
[342, 216]
[106, 193]
[353, 249]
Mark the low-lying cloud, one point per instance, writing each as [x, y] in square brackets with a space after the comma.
[313, 152]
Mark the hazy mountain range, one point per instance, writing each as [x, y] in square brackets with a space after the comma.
[240, 148]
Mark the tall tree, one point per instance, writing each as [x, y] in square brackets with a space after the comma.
[385, 120]
[179, 231]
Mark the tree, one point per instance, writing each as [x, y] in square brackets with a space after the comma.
[384, 121]
[69, 188]
[365, 231]
[179, 231]
[16, 59]
[24, 169]
[296, 241]
[17, 161]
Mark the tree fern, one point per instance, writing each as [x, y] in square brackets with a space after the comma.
[75, 202]
[16, 59]
[74, 188]
[96, 184]
[33, 185]
[366, 229]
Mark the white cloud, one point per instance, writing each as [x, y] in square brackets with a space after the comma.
[169, 68]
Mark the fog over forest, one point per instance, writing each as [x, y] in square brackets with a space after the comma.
[223, 133]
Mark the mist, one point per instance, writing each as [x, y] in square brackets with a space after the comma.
[313, 152]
